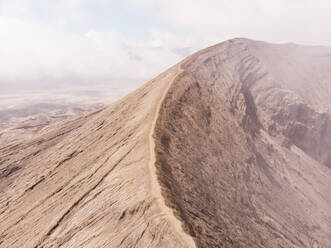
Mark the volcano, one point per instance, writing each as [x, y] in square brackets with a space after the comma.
[229, 148]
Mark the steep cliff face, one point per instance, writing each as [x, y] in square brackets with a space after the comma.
[229, 148]
[296, 96]
[243, 145]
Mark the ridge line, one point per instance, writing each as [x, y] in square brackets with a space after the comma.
[155, 186]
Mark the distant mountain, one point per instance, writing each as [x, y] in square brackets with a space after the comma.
[229, 148]
[25, 121]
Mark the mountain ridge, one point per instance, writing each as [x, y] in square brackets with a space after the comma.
[237, 147]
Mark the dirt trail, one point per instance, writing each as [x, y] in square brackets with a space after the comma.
[155, 188]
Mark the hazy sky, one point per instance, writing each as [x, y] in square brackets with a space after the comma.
[47, 43]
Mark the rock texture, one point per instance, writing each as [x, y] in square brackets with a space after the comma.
[243, 145]
[229, 148]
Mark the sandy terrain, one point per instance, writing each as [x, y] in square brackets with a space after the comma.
[87, 182]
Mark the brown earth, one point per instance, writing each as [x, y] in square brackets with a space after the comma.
[230, 148]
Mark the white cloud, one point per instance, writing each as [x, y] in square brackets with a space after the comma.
[34, 52]
[38, 48]
[302, 21]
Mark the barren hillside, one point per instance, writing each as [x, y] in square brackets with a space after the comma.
[229, 148]
[244, 145]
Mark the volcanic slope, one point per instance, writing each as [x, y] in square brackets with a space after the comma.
[88, 182]
[243, 145]
[229, 148]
